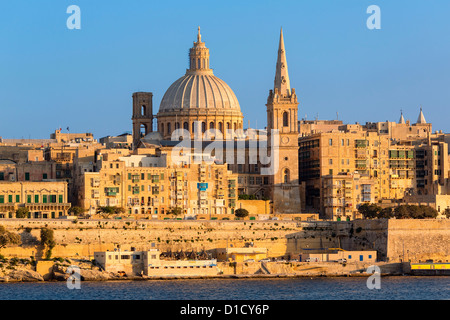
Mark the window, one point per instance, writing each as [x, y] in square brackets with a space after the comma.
[330, 161]
[286, 177]
[17, 198]
[285, 119]
[27, 176]
[60, 198]
[44, 176]
[10, 198]
[2, 199]
[28, 199]
[330, 142]
[44, 199]
[36, 198]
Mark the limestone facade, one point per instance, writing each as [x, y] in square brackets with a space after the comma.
[45, 200]
[150, 186]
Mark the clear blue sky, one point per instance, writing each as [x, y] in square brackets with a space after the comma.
[53, 77]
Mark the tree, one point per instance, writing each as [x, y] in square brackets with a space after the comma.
[7, 238]
[447, 213]
[47, 241]
[369, 210]
[107, 211]
[415, 212]
[428, 212]
[22, 213]
[386, 213]
[401, 212]
[241, 213]
[77, 211]
[176, 211]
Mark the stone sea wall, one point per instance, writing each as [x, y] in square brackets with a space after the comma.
[394, 240]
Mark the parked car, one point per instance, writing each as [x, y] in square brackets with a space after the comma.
[308, 260]
[250, 260]
[342, 260]
[264, 260]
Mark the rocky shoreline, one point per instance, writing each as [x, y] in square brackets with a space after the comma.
[24, 270]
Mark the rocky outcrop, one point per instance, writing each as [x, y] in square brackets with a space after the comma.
[94, 275]
[23, 275]
[59, 273]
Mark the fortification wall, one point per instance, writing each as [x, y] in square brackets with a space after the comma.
[394, 240]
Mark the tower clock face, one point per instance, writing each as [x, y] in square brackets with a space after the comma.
[285, 140]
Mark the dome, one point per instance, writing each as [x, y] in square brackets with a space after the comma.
[199, 91]
[199, 98]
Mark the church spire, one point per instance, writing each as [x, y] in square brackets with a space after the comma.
[402, 119]
[282, 82]
[421, 118]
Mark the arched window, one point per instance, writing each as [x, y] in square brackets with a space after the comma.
[169, 131]
[211, 125]
[143, 130]
[285, 119]
[228, 126]
[161, 129]
[143, 110]
[193, 127]
[286, 176]
[186, 126]
[198, 64]
[203, 127]
[177, 125]
[220, 127]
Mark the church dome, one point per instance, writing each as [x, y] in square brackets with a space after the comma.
[199, 97]
[199, 91]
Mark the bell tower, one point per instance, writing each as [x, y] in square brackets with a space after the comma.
[142, 116]
[282, 116]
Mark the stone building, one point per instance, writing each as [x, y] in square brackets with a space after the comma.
[148, 185]
[45, 200]
[402, 160]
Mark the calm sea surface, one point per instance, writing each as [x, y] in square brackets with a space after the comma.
[392, 288]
